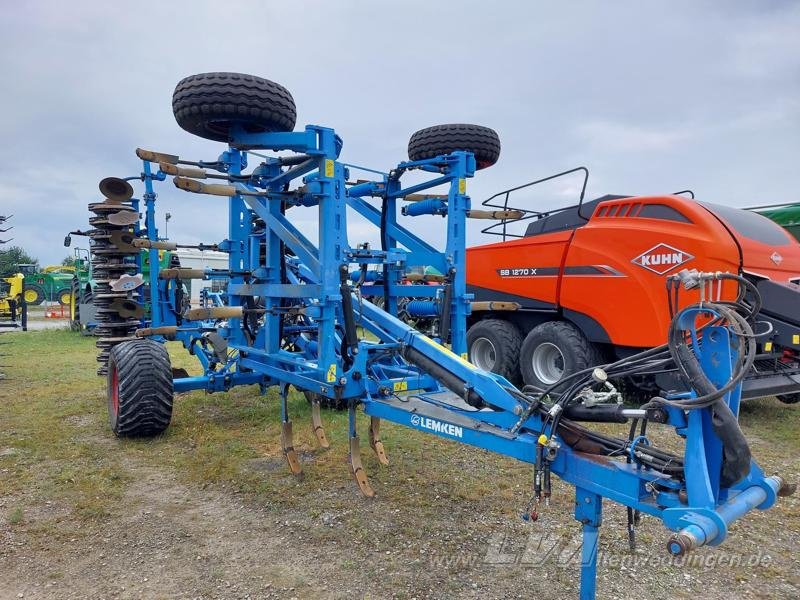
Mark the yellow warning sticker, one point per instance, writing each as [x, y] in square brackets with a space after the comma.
[796, 338]
[462, 186]
[767, 346]
[332, 373]
[328, 168]
[461, 359]
[400, 386]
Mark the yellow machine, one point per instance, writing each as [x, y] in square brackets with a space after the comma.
[11, 294]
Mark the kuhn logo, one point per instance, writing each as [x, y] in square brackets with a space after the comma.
[776, 258]
[437, 426]
[662, 258]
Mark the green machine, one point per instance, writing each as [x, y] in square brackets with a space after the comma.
[785, 215]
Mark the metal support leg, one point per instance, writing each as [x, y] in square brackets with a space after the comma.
[589, 511]
[356, 468]
[287, 439]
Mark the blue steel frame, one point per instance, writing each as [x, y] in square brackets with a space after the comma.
[697, 506]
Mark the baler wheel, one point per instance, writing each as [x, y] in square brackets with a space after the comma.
[139, 388]
[210, 104]
[789, 398]
[554, 350]
[483, 142]
[494, 345]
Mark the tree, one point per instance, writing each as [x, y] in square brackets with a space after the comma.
[69, 261]
[13, 256]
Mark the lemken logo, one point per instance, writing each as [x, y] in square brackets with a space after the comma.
[662, 258]
[437, 426]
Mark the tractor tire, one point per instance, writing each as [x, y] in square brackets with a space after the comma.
[64, 297]
[493, 345]
[33, 295]
[74, 307]
[789, 398]
[324, 402]
[210, 104]
[483, 142]
[139, 389]
[553, 350]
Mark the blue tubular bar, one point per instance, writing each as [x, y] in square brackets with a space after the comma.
[710, 530]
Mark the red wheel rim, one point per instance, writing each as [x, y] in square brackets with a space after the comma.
[114, 390]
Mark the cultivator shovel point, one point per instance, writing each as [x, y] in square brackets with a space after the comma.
[357, 468]
[375, 440]
[316, 425]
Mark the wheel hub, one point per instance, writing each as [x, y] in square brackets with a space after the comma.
[483, 354]
[548, 363]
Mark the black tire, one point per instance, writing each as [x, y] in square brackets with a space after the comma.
[75, 309]
[39, 294]
[789, 398]
[208, 104]
[483, 142]
[60, 293]
[139, 389]
[494, 345]
[324, 402]
[577, 353]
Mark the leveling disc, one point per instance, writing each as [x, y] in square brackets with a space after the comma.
[116, 189]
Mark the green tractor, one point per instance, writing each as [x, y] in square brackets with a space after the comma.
[785, 215]
[48, 284]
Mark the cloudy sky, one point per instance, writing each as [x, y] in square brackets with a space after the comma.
[652, 97]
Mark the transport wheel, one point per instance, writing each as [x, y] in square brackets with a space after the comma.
[494, 345]
[324, 402]
[139, 389]
[789, 398]
[553, 350]
[65, 297]
[33, 294]
[209, 104]
[483, 142]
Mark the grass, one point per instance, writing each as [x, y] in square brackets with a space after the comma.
[54, 418]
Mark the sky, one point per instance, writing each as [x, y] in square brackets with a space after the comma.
[652, 97]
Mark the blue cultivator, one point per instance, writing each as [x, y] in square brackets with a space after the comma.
[294, 312]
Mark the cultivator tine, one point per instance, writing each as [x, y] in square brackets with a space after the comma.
[166, 331]
[502, 215]
[356, 467]
[214, 312]
[316, 425]
[182, 273]
[214, 189]
[193, 172]
[287, 443]
[160, 245]
[359, 474]
[375, 440]
[157, 157]
[287, 439]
